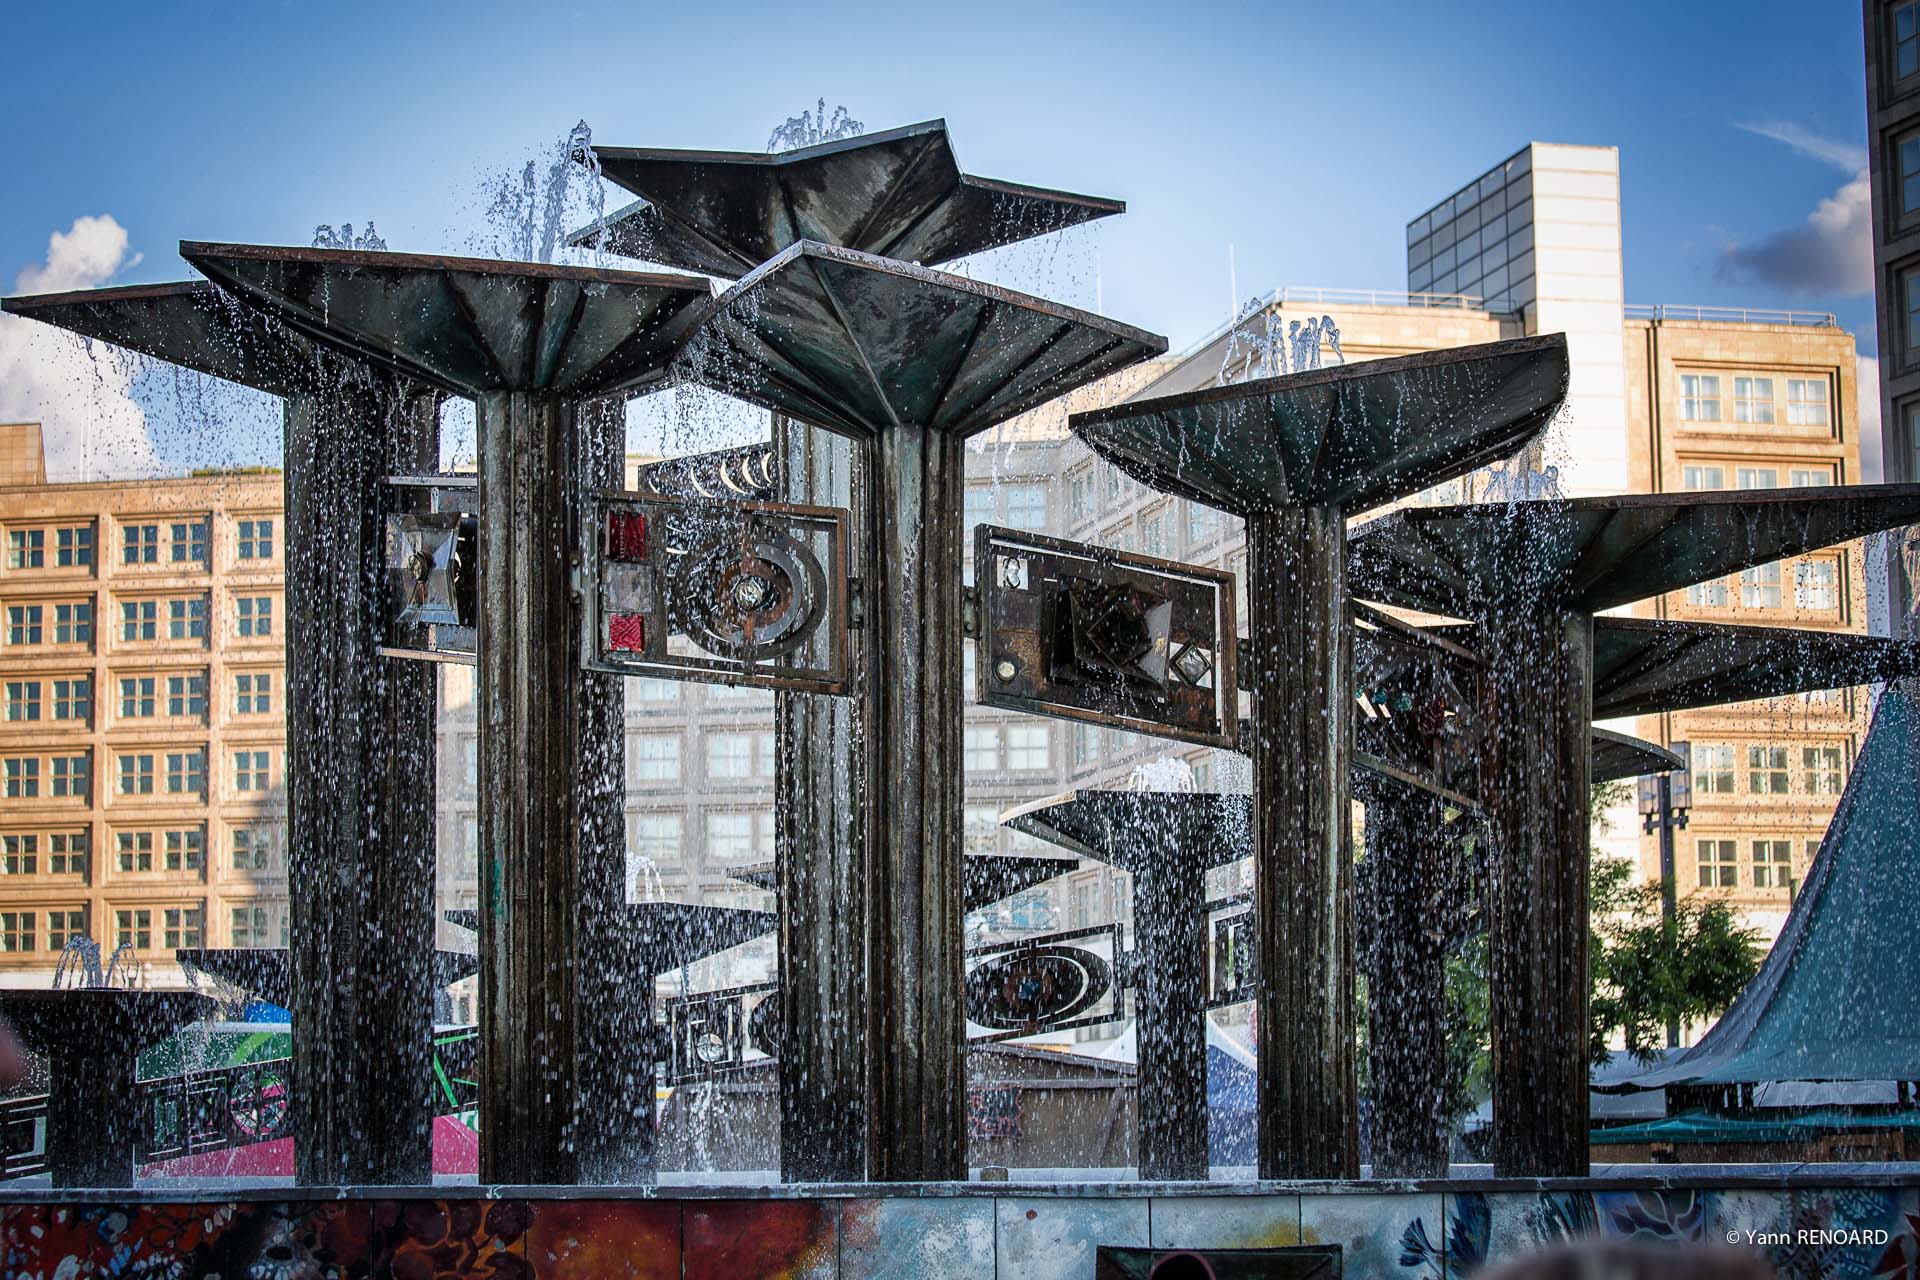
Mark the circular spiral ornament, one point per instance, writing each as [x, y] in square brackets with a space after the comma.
[748, 599]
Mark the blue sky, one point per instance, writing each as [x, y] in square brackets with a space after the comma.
[1306, 136]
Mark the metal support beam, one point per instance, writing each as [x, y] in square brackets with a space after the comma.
[822, 846]
[1540, 766]
[917, 1083]
[360, 812]
[1169, 907]
[549, 816]
[1407, 845]
[1307, 1122]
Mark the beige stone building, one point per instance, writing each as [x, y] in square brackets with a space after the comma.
[142, 692]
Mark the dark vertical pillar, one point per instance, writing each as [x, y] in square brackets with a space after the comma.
[1541, 662]
[1406, 976]
[918, 1086]
[93, 1118]
[821, 849]
[360, 802]
[617, 1046]
[1169, 908]
[1303, 865]
[544, 760]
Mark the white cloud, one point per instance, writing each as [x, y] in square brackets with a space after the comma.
[1848, 157]
[81, 393]
[1830, 253]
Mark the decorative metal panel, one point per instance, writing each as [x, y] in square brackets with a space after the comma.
[433, 568]
[1108, 637]
[1052, 982]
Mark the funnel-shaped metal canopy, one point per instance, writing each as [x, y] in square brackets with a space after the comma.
[1143, 831]
[1647, 666]
[672, 934]
[266, 973]
[87, 1018]
[191, 324]
[1618, 756]
[1353, 436]
[859, 344]
[986, 878]
[1597, 553]
[899, 194]
[466, 325]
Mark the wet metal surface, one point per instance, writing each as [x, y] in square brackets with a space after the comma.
[899, 193]
[1646, 666]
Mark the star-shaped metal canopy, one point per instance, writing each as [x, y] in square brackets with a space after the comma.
[859, 344]
[1143, 832]
[266, 973]
[82, 1019]
[467, 325]
[986, 878]
[669, 935]
[1618, 756]
[1353, 436]
[191, 324]
[1647, 666]
[1598, 553]
[899, 194]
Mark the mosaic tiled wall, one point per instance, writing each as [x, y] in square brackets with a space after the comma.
[1863, 1231]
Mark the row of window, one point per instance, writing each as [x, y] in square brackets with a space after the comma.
[656, 840]
[135, 773]
[1769, 862]
[251, 848]
[141, 697]
[71, 622]
[185, 542]
[1754, 400]
[1764, 769]
[991, 748]
[253, 924]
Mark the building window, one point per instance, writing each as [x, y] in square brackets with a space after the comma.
[140, 544]
[729, 755]
[20, 855]
[1700, 397]
[1032, 909]
[1753, 400]
[1718, 864]
[252, 848]
[27, 549]
[73, 547]
[136, 775]
[187, 695]
[73, 698]
[1756, 478]
[648, 689]
[187, 772]
[1027, 506]
[1810, 477]
[254, 540]
[1203, 522]
[1767, 770]
[1153, 533]
[470, 762]
[1807, 402]
[133, 851]
[251, 927]
[1816, 585]
[982, 748]
[187, 619]
[1910, 296]
[1701, 478]
[133, 928]
[73, 623]
[1029, 746]
[139, 619]
[16, 930]
[23, 700]
[1822, 772]
[1708, 595]
[254, 616]
[730, 837]
[978, 506]
[656, 836]
[189, 543]
[656, 757]
[253, 695]
[1086, 745]
[22, 775]
[183, 927]
[1772, 863]
[186, 849]
[1080, 497]
[67, 853]
[71, 776]
[1713, 768]
[1906, 40]
[1760, 587]
[251, 770]
[64, 924]
[136, 697]
[24, 625]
